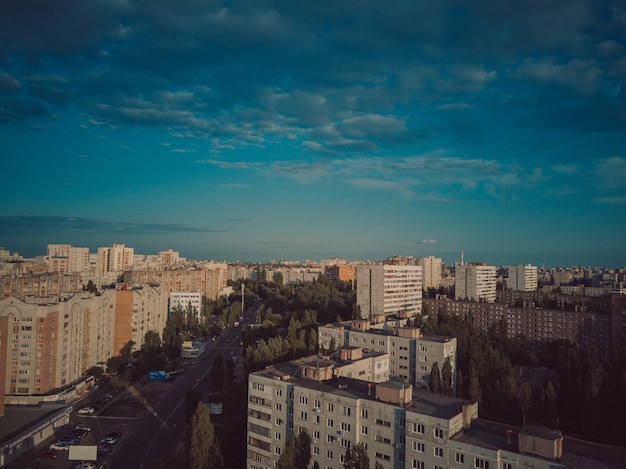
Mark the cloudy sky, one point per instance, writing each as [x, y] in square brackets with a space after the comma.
[256, 130]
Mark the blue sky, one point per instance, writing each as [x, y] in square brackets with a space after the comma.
[255, 130]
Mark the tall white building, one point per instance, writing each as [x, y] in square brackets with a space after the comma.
[388, 289]
[400, 428]
[115, 258]
[522, 278]
[476, 282]
[431, 271]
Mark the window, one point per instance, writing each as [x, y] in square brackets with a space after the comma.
[459, 458]
[438, 433]
[345, 426]
[364, 413]
[316, 435]
[418, 428]
[277, 436]
[418, 464]
[480, 463]
[330, 407]
[418, 446]
[507, 465]
[329, 454]
[316, 450]
[438, 452]
[363, 430]
[330, 423]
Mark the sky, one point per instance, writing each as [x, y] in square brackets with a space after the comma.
[260, 130]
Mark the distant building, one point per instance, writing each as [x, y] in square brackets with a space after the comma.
[183, 300]
[522, 278]
[431, 271]
[389, 289]
[115, 258]
[342, 273]
[66, 258]
[475, 282]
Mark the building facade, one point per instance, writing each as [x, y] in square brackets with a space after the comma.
[475, 282]
[115, 258]
[411, 354]
[400, 428]
[383, 290]
[522, 278]
[431, 271]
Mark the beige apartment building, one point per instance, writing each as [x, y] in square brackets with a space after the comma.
[67, 258]
[400, 427]
[522, 277]
[411, 354]
[208, 279]
[49, 284]
[385, 289]
[115, 258]
[431, 271]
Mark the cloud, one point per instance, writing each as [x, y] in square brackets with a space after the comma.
[427, 241]
[53, 224]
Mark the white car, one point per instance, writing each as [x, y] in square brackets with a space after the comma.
[86, 411]
[108, 440]
[60, 446]
[82, 426]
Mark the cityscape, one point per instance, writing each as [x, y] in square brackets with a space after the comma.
[390, 344]
[313, 235]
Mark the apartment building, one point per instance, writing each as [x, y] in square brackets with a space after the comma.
[411, 354]
[208, 279]
[522, 278]
[400, 427]
[342, 273]
[431, 271]
[115, 258]
[49, 284]
[183, 300]
[384, 289]
[540, 325]
[138, 309]
[475, 282]
[66, 258]
[48, 344]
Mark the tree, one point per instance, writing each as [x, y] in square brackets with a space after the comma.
[151, 343]
[297, 453]
[202, 447]
[192, 398]
[446, 378]
[435, 379]
[356, 457]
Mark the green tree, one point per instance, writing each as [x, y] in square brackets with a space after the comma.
[151, 343]
[203, 451]
[297, 453]
[356, 457]
[434, 383]
[446, 378]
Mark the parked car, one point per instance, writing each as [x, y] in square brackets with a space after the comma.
[85, 465]
[109, 440]
[86, 411]
[48, 454]
[82, 426]
[108, 397]
[60, 446]
[113, 435]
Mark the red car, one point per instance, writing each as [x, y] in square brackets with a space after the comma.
[48, 454]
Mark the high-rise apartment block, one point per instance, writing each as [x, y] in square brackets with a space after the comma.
[431, 271]
[383, 290]
[66, 258]
[475, 282]
[400, 428]
[522, 278]
[115, 258]
[412, 355]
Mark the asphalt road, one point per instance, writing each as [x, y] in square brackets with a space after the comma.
[156, 435]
